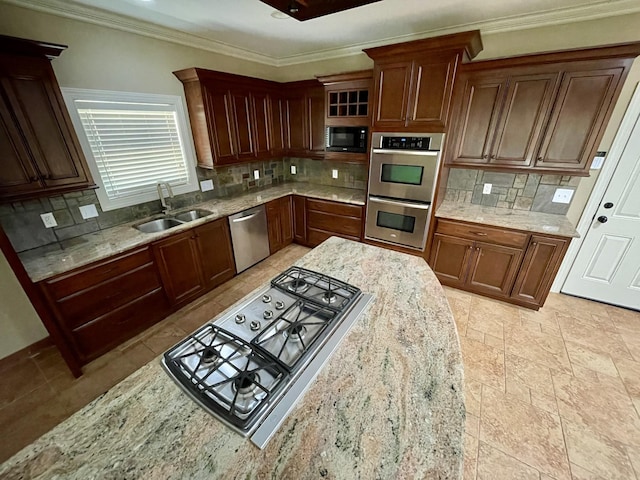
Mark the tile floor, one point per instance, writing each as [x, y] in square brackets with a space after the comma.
[553, 394]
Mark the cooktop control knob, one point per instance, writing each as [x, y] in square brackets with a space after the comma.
[268, 314]
[240, 318]
[279, 305]
[266, 298]
[254, 325]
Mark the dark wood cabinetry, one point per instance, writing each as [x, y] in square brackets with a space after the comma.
[544, 113]
[325, 219]
[506, 264]
[305, 101]
[299, 205]
[40, 151]
[195, 261]
[105, 303]
[280, 223]
[413, 81]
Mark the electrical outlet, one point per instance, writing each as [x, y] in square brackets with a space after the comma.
[206, 185]
[88, 211]
[49, 220]
[294, 170]
[334, 173]
[256, 174]
[486, 190]
[562, 195]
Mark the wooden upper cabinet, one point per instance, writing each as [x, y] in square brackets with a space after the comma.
[215, 142]
[298, 139]
[348, 98]
[41, 153]
[244, 124]
[414, 81]
[544, 113]
[584, 101]
[262, 135]
[315, 120]
[280, 125]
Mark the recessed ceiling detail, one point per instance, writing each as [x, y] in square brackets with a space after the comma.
[306, 9]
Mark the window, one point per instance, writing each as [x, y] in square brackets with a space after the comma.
[132, 141]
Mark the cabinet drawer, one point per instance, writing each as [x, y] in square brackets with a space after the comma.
[482, 233]
[341, 209]
[316, 237]
[103, 333]
[86, 277]
[98, 300]
[334, 223]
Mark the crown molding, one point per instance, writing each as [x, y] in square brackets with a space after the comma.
[600, 9]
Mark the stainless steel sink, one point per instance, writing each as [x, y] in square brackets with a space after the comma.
[192, 215]
[158, 225]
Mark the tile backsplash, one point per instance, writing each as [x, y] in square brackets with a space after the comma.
[519, 191]
[22, 223]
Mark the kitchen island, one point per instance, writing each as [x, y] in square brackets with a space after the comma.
[389, 403]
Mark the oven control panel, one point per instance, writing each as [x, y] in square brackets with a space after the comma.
[406, 143]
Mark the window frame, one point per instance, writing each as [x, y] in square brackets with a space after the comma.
[184, 131]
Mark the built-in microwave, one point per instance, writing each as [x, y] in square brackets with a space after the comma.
[347, 139]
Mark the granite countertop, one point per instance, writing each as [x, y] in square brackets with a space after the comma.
[44, 262]
[389, 403]
[508, 218]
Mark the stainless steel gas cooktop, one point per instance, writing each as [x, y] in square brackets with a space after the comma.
[249, 367]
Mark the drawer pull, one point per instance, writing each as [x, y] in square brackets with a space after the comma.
[480, 234]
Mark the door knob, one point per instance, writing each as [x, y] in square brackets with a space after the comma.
[602, 219]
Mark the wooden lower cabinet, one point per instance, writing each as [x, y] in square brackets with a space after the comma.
[506, 264]
[103, 304]
[195, 261]
[299, 219]
[280, 224]
[325, 219]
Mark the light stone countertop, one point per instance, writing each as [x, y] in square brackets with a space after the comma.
[508, 218]
[389, 403]
[44, 262]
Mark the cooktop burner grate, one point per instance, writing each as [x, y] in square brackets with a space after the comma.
[225, 373]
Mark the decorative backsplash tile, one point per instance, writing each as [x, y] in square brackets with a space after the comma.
[22, 224]
[519, 191]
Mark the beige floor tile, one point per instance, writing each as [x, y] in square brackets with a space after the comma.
[488, 316]
[624, 318]
[601, 406]
[494, 341]
[165, 338]
[472, 425]
[569, 305]
[460, 311]
[632, 341]
[540, 348]
[545, 402]
[584, 332]
[472, 396]
[482, 363]
[493, 464]
[588, 358]
[473, 334]
[50, 362]
[629, 371]
[545, 317]
[527, 433]
[518, 390]
[596, 453]
[634, 456]
[470, 457]
[537, 377]
[579, 473]
[24, 377]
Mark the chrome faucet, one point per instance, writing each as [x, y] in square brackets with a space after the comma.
[165, 206]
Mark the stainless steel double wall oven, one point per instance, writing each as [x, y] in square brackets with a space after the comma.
[402, 180]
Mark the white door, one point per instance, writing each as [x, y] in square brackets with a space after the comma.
[607, 267]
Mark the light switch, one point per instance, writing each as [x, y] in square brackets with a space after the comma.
[88, 211]
[206, 185]
[294, 170]
[486, 190]
[562, 195]
[49, 220]
[256, 174]
[334, 173]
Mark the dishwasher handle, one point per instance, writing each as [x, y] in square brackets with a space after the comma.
[244, 219]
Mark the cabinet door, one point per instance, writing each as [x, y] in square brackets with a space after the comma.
[298, 140]
[526, 107]
[219, 111]
[449, 259]
[392, 83]
[315, 120]
[280, 130]
[263, 125]
[482, 98]
[493, 268]
[179, 264]
[299, 220]
[215, 252]
[431, 85]
[18, 173]
[35, 100]
[286, 220]
[539, 267]
[274, 224]
[578, 119]
[243, 123]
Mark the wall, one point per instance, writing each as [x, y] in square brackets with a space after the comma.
[20, 326]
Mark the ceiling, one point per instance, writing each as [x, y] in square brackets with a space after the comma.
[247, 29]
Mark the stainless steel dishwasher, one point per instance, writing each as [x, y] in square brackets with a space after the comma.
[249, 236]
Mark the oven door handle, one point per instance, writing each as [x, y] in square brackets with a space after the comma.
[419, 206]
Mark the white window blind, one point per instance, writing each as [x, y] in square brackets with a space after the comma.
[134, 145]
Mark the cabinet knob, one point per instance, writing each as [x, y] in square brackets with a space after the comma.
[33, 178]
[539, 158]
[46, 176]
[493, 155]
[480, 234]
[608, 205]
[485, 156]
[603, 219]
